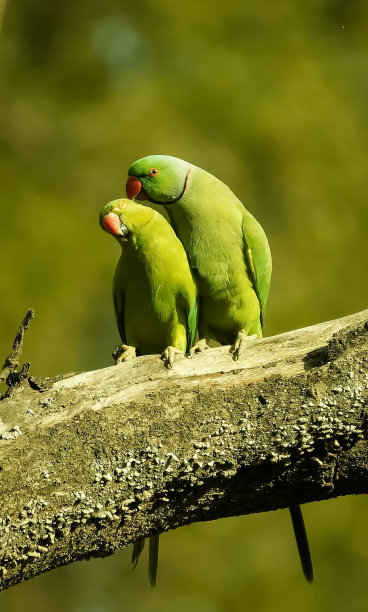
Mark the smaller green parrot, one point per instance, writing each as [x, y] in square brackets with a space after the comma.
[155, 297]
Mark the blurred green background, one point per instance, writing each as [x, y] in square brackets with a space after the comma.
[273, 99]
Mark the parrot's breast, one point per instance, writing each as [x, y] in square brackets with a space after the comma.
[154, 284]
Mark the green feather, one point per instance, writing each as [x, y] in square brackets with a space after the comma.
[118, 299]
[258, 255]
[153, 559]
[138, 546]
[192, 324]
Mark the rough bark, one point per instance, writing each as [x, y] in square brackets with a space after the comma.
[92, 462]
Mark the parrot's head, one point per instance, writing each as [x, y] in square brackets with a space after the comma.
[121, 218]
[161, 179]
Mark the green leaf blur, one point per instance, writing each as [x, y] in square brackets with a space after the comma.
[273, 99]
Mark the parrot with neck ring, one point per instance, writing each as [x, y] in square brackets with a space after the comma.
[229, 256]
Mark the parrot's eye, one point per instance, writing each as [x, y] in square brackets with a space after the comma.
[153, 172]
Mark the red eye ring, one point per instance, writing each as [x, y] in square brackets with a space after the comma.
[153, 172]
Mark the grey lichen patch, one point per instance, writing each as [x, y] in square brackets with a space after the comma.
[13, 433]
[46, 402]
[44, 384]
[79, 496]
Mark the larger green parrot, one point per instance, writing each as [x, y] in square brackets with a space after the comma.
[229, 256]
[155, 296]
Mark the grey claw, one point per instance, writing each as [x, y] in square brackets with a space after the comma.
[168, 356]
[199, 347]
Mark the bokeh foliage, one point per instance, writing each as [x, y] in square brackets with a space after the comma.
[270, 97]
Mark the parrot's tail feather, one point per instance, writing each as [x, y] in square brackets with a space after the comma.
[153, 559]
[302, 541]
[138, 546]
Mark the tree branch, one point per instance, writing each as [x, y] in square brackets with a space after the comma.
[11, 363]
[91, 463]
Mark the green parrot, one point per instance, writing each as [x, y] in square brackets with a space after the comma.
[229, 256]
[155, 297]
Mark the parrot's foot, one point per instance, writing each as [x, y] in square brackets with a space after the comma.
[240, 343]
[124, 353]
[198, 347]
[168, 356]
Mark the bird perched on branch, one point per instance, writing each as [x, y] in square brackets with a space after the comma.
[155, 297]
[229, 256]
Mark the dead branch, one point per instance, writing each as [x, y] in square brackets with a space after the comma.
[92, 462]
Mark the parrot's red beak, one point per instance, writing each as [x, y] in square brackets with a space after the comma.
[133, 187]
[112, 224]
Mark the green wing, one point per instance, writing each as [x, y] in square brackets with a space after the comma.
[192, 324]
[258, 255]
[118, 297]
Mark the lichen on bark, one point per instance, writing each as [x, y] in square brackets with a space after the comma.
[92, 462]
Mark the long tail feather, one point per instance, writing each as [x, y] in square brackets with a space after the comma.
[302, 541]
[138, 546]
[153, 559]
